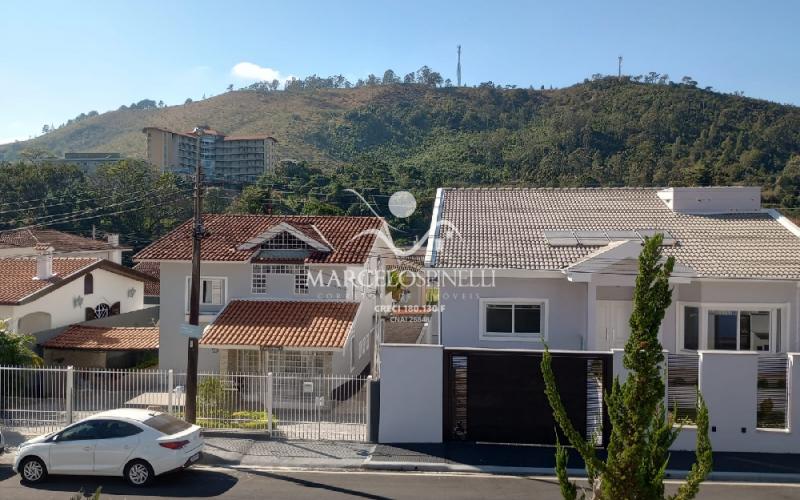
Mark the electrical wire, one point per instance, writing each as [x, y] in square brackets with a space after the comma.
[94, 198]
[95, 209]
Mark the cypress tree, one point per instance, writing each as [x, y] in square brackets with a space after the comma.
[641, 432]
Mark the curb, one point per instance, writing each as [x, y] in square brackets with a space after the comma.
[722, 476]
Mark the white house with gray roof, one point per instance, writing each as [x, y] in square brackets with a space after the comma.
[519, 266]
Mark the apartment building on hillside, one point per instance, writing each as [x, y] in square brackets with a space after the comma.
[224, 158]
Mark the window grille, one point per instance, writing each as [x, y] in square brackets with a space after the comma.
[297, 362]
[284, 241]
[260, 272]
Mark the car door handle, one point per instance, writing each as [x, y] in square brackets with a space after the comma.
[87, 448]
[127, 447]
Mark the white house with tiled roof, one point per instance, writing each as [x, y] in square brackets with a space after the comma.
[23, 243]
[41, 293]
[278, 293]
[520, 266]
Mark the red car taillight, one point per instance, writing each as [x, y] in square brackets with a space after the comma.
[174, 445]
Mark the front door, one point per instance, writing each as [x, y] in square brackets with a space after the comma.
[73, 451]
[612, 323]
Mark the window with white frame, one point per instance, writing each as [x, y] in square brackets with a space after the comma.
[248, 361]
[513, 319]
[297, 362]
[212, 291]
[284, 241]
[259, 278]
[730, 327]
[261, 272]
[301, 280]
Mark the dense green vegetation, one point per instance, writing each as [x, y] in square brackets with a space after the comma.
[130, 198]
[381, 135]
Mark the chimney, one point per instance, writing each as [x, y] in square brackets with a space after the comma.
[113, 239]
[44, 262]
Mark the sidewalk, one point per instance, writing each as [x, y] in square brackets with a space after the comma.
[536, 460]
[241, 450]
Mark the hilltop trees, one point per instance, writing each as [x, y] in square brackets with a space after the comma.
[390, 78]
[423, 76]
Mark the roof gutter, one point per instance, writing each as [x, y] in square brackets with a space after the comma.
[433, 233]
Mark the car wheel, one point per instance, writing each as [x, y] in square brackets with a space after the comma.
[33, 470]
[138, 473]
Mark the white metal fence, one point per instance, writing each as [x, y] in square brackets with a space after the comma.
[291, 406]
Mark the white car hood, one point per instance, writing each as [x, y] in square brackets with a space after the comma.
[35, 440]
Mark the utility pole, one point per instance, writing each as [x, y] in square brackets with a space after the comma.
[194, 299]
[458, 68]
[619, 67]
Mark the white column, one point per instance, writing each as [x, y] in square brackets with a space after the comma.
[69, 393]
[591, 316]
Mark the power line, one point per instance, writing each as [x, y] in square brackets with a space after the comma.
[95, 209]
[119, 212]
[94, 198]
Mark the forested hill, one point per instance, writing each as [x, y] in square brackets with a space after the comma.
[601, 132]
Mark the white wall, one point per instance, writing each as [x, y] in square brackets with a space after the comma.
[566, 327]
[728, 383]
[411, 393]
[108, 288]
[363, 340]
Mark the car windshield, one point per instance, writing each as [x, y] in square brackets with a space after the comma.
[166, 423]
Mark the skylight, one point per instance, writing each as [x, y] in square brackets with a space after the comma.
[599, 238]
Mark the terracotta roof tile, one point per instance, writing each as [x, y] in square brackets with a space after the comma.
[60, 241]
[504, 228]
[152, 288]
[106, 338]
[282, 324]
[227, 232]
[17, 276]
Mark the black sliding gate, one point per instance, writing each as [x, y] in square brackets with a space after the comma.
[498, 396]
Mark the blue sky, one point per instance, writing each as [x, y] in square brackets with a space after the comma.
[59, 59]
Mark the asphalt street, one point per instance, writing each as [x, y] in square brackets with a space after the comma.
[212, 482]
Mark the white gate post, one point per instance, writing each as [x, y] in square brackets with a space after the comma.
[171, 386]
[69, 393]
[269, 403]
[369, 408]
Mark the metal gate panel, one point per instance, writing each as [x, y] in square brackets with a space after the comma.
[498, 396]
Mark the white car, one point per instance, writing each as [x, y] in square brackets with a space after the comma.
[135, 444]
